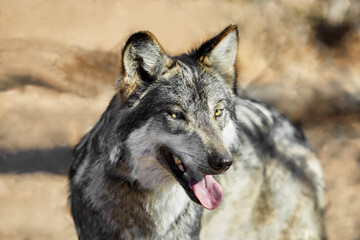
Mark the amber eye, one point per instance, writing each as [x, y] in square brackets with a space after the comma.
[219, 112]
[177, 115]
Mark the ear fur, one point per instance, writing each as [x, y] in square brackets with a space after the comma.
[143, 60]
[219, 53]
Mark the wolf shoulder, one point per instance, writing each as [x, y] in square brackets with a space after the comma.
[273, 135]
[259, 120]
[274, 138]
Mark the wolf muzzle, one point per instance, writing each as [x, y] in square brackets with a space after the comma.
[220, 162]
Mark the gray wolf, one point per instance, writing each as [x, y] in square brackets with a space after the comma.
[178, 155]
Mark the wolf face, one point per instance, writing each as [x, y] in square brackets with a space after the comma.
[184, 113]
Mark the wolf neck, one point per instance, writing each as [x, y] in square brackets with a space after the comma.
[170, 204]
[146, 213]
[150, 214]
[164, 213]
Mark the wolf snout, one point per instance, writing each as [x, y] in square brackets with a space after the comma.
[220, 163]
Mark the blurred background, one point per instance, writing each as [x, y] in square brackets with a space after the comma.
[58, 64]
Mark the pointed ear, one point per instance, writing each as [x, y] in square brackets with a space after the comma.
[219, 53]
[143, 61]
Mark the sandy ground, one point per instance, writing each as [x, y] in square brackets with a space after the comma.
[58, 64]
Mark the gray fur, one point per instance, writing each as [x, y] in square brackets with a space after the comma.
[122, 185]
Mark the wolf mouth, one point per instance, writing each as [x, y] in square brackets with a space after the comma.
[205, 191]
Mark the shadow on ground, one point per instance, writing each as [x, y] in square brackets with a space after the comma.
[55, 160]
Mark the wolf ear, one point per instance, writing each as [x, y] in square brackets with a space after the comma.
[143, 60]
[219, 53]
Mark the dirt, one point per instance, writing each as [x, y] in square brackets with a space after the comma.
[337, 144]
[58, 65]
[34, 206]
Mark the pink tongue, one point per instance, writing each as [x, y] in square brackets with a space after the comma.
[208, 191]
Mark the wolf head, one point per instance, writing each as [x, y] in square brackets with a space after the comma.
[184, 111]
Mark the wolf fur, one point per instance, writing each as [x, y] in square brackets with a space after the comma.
[124, 183]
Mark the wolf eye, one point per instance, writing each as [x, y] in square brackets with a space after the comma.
[177, 115]
[219, 112]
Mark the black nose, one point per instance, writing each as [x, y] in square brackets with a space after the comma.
[220, 163]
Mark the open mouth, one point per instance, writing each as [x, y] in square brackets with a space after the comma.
[205, 191]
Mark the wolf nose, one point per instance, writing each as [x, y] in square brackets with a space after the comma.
[220, 163]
